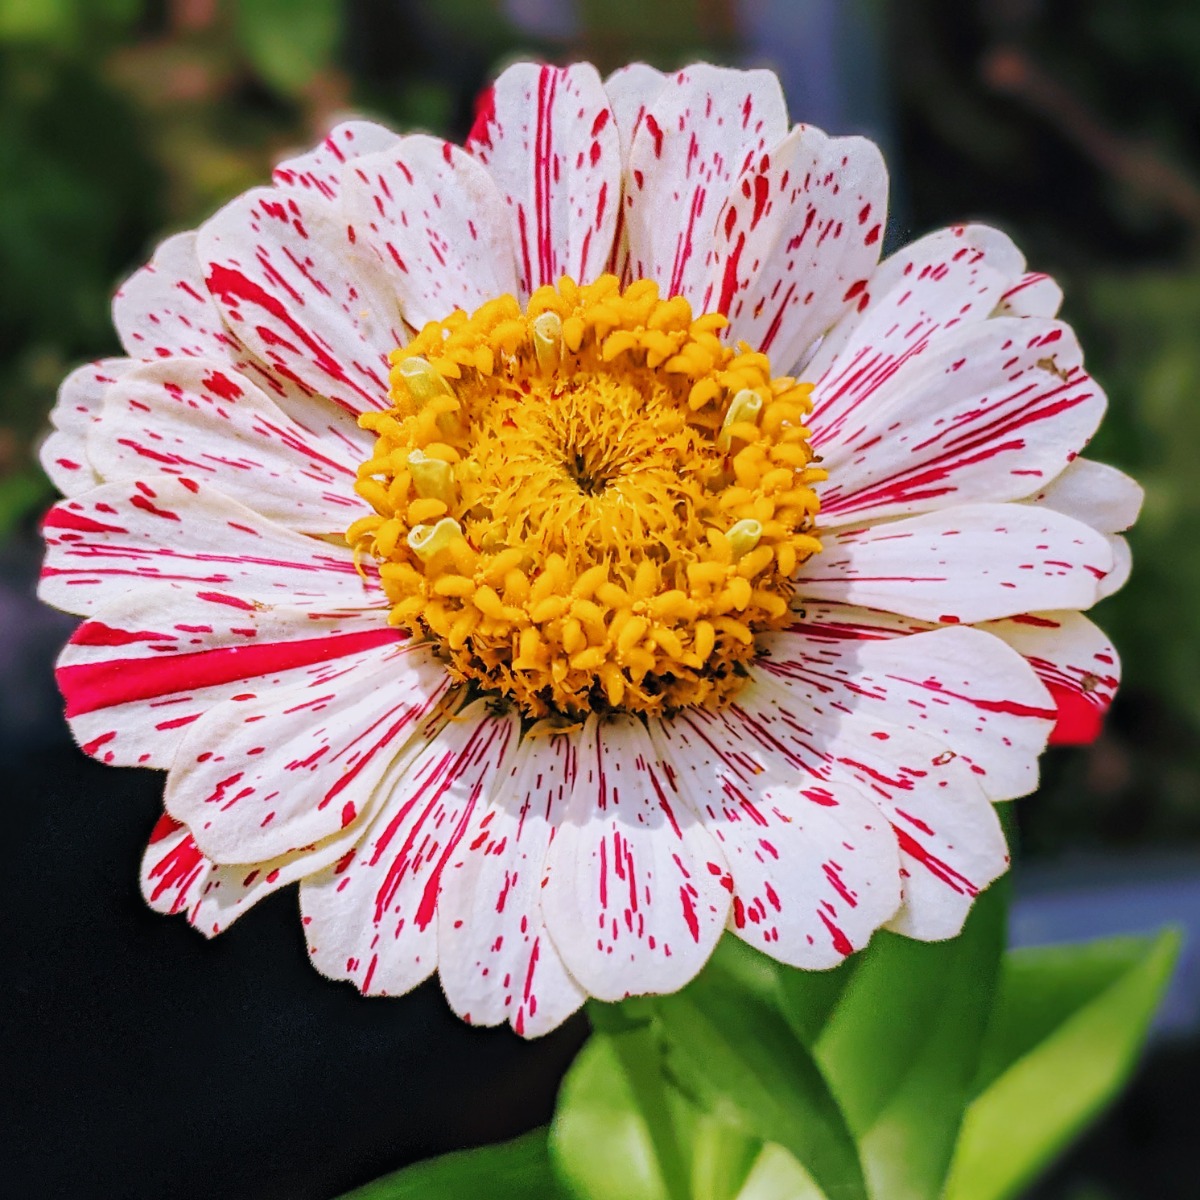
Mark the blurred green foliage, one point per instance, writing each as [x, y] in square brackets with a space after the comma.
[948, 1071]
[1069, 125]
[1065, 123]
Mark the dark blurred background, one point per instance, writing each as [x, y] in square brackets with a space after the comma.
[144, 1062]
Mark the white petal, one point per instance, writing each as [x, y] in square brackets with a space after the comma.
[1122, 565]
[950, 842]
[797, 241]
[63, 454]
[977, 562]
[1076, 662]
[952, 277]
[64, 464]
[372, 918]
[989, 412]
[121, 537]
[435, 219]
[703, 129]
[1096, 494]
[1033, 295]
[319, 171]
[194, 417]
[633, 898]
[835, 623]
[630, 90]
[551, 145]
[960, 687]
[233, 888]
[158, 658]
[295, 289]
[495, 958]
[265, 776]
[165, 308]
[813, 865]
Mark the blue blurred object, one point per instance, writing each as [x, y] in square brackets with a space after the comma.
[829, 56]
[554, 20]
[1075, 900]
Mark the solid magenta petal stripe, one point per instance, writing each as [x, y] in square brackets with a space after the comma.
[91, 686]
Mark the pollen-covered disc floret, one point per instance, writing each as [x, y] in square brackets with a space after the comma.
[591, 504]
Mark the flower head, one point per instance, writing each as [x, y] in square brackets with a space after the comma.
[556, 550]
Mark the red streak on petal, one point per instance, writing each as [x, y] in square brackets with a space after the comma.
[92, 686]
[689, 914]
[841, 943]
[1080, 718]
[96, 633]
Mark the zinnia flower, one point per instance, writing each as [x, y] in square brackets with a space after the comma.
[555, 551]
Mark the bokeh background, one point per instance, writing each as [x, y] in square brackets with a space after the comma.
[144, 1062]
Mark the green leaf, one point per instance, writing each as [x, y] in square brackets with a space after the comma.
[809, 998]
[1066, 1034]
[778, 1176]
[737, 1058]
[37, 20]
[20, 495]
[743, 966]
[288, 41]
[516, 1170]
[624, 1131]
[597, 1125]
[902, 1047]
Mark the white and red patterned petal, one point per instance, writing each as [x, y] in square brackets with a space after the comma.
[495, 959]
[962, 688]
[165, 309]
[176, 877]
[633, 897]
[1033, 295]
[798, 241]
[153, 662]
[630, 90]
[319, 172]
[228, 891]
[548, 138]
[976, 562]
[232, 889]
[63, 453]
[435, 219]
[296, 290]
[950, 842]
[257, 778]
[1096, 494]
[174, 871]
[813, 867]
[949, 278]
[988, 413]
[122, 537]
[373, 917]
[947, 857]
[1076, 662]
[199, 418]
[65, 464]
[697, 135]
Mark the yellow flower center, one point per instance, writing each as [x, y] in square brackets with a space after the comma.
[592, 504]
